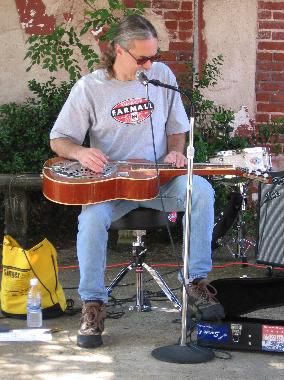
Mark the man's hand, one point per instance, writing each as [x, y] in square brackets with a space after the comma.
[176, 158]
[90, 158]
[176, 145]
[93, 159]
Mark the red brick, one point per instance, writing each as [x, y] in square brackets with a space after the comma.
[278, 76]
[178, 15]
[273, 66]
[178, 67]
[278, 15]
[270, 45]
[271, 5]
[278, 56]
[183, 56]
[68, 16]
[263, 97]
[278, 36]
[271, 25]
[181, 46]
[171, 25]
[40, 23]
[264, 34]
[273, 86]
[264, 15]
[163, 4]
[264, 107]
[168, 56]
[264, 57]
[278, 98]
[262, 117]
[186, 5]
[263, 76]
[185, 25]
[184, 36]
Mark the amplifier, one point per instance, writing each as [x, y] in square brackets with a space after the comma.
[242, 334]
[270, 240]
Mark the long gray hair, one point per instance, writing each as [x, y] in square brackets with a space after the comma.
[131, 28]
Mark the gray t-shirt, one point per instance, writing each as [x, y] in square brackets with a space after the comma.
[117, 114]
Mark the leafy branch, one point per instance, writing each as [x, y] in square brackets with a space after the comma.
[60, 49]
[25, 127]
[212, 122]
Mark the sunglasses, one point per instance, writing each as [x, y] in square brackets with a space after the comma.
[143, 60]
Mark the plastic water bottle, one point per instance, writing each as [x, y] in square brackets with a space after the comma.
[34, 313]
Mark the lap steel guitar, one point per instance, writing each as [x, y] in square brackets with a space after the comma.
[67, 182]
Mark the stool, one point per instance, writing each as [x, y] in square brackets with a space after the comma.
[139, 221]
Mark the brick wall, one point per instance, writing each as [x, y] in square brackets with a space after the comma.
[270, 61]
[178, 16]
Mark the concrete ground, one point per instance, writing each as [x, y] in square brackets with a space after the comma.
[130, 337]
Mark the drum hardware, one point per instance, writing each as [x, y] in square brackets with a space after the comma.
[226, 218]
[233, 215]
[243, 244]
[256, 160]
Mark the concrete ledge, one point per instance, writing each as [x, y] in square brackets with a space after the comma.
[20, 181]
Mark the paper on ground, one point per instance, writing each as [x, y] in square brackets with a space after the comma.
[25, 335]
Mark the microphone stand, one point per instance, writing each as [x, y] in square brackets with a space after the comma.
[184, 353]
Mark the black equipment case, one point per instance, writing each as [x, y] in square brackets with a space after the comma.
[242, 334]
[240, 296]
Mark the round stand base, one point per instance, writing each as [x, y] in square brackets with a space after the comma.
[188, 354]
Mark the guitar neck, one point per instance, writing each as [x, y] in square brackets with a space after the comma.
[166, 171]
[198, 168]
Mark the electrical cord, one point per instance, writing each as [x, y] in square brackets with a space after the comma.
[174, 252]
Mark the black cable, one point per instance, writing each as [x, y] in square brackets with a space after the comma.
[160, 192]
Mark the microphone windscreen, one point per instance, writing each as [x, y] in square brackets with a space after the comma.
[141, 77]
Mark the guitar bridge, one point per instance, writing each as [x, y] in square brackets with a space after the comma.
[123, 174]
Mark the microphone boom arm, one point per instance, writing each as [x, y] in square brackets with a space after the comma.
[157, 83]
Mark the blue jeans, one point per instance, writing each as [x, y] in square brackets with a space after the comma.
[95, 220]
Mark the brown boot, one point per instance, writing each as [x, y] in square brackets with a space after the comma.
[202, 301]
[91, 325]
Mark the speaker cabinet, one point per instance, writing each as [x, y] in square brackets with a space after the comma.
[270, 240]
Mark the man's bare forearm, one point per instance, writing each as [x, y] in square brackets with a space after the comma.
[176, 142]
[64, 147]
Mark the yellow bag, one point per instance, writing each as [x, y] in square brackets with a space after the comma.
[19, 266]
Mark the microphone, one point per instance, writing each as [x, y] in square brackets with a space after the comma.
[142, 78]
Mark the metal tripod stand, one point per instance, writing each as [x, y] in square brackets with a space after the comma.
[242, 244]
[138, 263]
